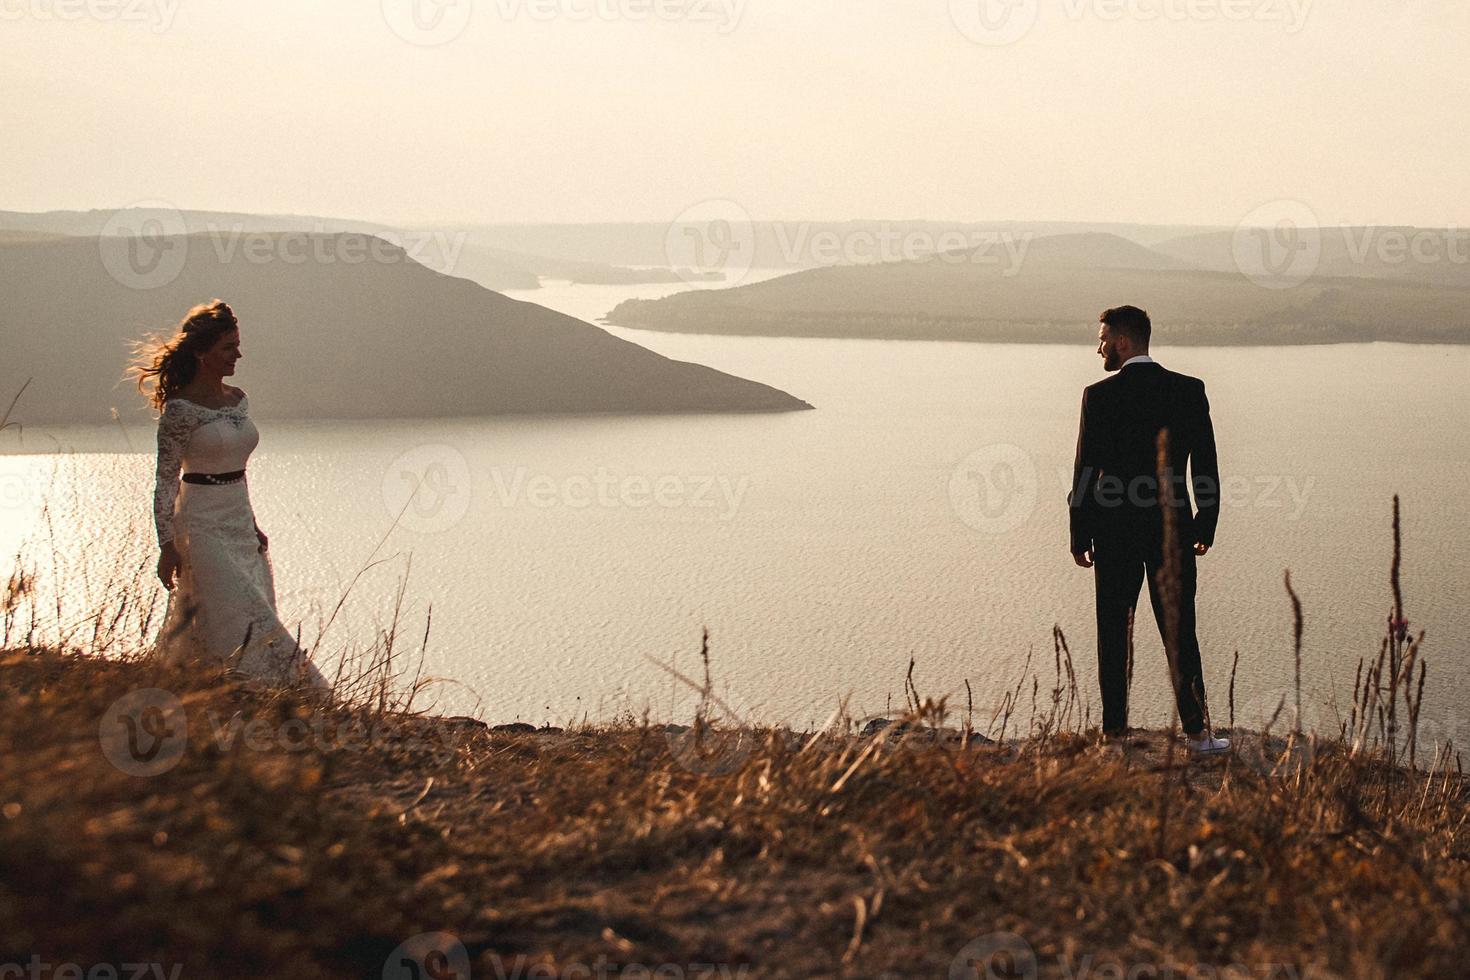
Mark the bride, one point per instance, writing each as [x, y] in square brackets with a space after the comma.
[213, 556]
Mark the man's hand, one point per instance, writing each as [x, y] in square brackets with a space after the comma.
[1083, 559]
[1201, 549]
[168, 565]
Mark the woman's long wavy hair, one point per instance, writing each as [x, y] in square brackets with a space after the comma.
[164, 365]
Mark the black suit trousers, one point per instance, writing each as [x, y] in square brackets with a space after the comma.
[1119, 572]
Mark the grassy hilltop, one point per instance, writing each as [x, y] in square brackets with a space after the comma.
[180, 818]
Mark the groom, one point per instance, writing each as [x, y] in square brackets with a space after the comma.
[1117, 514]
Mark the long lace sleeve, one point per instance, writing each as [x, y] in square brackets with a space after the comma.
[173, 436]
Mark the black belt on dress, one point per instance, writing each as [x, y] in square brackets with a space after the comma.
[214, 479]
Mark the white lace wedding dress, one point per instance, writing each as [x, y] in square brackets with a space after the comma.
[222, 609]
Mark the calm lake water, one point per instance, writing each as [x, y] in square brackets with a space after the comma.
[918, 512]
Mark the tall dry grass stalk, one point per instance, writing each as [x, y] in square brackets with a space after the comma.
[1296, 649]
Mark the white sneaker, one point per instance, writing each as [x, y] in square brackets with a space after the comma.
[1206, 744]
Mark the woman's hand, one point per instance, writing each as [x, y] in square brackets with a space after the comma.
[168, 565]
[265, 542]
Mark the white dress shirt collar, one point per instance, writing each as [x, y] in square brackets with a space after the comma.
[1140, 359]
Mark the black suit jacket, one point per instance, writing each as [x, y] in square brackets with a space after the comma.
[1115, 495]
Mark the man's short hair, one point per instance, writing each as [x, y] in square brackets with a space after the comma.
[1130, 321]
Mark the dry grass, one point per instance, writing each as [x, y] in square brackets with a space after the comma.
[320, 837]
[301, 836]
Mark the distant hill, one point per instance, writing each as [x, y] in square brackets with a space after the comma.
[486, 265]
[1051, 292]
[334, 336]
[452, 249]
[793, 245]
[517, 257]
[1080, 250]
[9, 235]
[1428, 255]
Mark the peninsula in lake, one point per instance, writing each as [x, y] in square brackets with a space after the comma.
[341, 325]
[1364, 284]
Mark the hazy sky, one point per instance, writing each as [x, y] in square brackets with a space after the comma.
[1171, 111]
